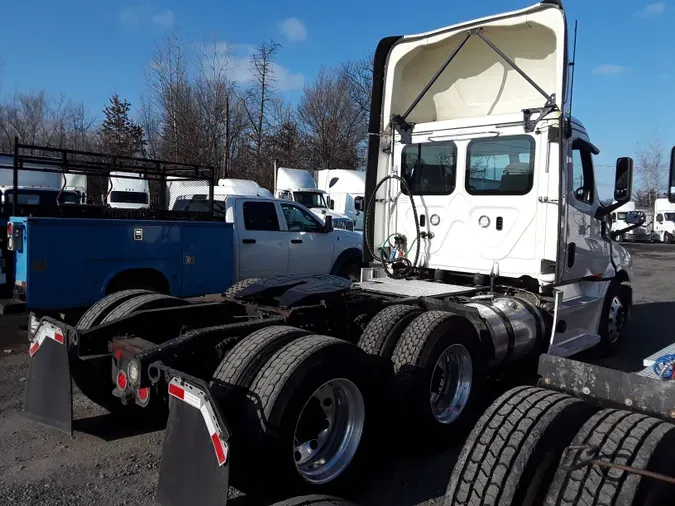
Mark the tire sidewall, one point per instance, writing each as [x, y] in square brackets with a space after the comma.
[616, 289]
[276, 445]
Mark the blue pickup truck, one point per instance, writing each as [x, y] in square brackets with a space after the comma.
[62, 255]
[69, 263]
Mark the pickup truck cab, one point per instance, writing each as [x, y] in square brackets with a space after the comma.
[275, 236]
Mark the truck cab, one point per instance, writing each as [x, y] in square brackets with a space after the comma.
[127, 190]
[664, 220]
[477, 170]
[299, 186]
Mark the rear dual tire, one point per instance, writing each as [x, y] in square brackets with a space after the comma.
[94, 377]
[306, 412]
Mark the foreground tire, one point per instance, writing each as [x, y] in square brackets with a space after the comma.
[314, 500]
[513, 451]
[239, 286]
[307, 422]
[383, 332]
[241, 364]
[625, 438]
[142, 303]
[94, 377]
[437, 368]
[95, 314]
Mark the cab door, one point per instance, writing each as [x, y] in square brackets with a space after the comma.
[310, 247]
[262, 246]
[587, 237]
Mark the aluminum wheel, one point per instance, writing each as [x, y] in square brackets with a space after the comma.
[328, 431]
[451, 383]
[616, 319]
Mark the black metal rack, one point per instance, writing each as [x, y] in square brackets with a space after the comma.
[28, 157]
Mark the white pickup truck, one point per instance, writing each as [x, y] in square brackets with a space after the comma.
[274, 236]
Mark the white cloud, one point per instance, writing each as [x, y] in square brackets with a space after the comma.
[294, 29]
[608, 69]
[163, 19]
[653, 9]
[287, 80]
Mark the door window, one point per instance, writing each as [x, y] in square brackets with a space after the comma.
[261, 216]
[501, 166]
[299, 220]
[582, 173]
[430, 168]
[659, 218]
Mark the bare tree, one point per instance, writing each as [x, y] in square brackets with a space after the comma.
[331, 122]
[650, 168]
[259, 95]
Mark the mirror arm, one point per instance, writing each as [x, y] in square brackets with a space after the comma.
[617, 233]
[603, 211]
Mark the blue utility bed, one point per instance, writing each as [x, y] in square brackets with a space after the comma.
[68, 263]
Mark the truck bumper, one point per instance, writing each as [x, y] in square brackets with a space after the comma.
[609, 387]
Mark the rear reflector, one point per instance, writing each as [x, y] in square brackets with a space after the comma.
[121, 380]
[43, 331]
[196, 398]
[143, 393]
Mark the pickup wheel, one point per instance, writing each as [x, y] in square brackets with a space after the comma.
[619, 437]
[94, 377]
[513, 451]
[384, 330]
[437, 368]
[239, 286]
[95, 314]
[314, 500]
[308, 421]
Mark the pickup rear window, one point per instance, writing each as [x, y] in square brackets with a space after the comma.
[261, 216]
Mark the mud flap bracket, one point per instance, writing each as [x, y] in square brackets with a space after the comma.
[48, 399]
[195, 456]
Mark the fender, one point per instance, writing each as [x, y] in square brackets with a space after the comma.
[347, 256]
[102, 290]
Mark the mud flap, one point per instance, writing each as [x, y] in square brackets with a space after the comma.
[48, 398]
[195, 460]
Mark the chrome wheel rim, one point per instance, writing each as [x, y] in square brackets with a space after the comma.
[451, 383]
[615, 320]
[328, 431]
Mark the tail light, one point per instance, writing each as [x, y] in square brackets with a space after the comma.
[10, 236]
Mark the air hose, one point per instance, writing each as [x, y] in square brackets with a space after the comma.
[409, 266]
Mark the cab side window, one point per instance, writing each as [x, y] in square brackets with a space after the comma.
[583, 182]
[659, 218]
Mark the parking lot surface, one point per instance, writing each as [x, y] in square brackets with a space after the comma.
[109, 462]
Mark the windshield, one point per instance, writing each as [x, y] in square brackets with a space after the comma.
[129, 197]
[669, 216]
[42, 197]
[621, 216]
[310, 199]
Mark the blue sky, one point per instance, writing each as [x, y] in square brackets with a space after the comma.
[87, 49]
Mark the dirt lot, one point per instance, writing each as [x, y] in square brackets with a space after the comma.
[100, 466]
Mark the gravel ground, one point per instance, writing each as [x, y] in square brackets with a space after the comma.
[40, 466]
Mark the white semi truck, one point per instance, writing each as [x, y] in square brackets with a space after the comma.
[486, 246]
[345, 192]
[642, 233]
[664, 220]
[126, 190]
[299, 185]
